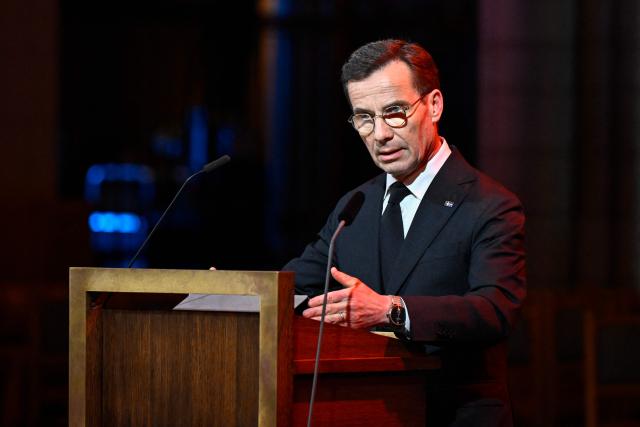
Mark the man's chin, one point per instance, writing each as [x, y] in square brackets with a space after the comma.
[396, 170]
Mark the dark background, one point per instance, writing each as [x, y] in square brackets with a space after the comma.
[543, 96]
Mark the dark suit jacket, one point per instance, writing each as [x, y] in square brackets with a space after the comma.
[461, 273]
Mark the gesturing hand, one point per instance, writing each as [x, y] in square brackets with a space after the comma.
[356, 306]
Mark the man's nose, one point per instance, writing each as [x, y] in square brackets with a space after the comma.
[382, 132]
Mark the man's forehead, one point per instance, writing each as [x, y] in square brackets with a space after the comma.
[392, 80]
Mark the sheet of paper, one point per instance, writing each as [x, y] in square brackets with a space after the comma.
[241, 303]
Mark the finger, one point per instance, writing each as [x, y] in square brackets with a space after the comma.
[212, 268]
[331, 308]
[317, 300]
[343, 278]
[335, 318]
[310, 313]
[316, 310]
[333, 297]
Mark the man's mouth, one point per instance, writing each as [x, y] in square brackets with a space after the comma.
[389, 155]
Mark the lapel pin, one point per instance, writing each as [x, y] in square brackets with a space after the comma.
[448, 203]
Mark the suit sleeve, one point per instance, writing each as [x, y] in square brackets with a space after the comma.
[496, 283]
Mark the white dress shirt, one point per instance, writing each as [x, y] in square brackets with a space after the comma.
[409, 205]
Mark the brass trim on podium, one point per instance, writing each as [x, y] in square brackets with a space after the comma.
[275, 290]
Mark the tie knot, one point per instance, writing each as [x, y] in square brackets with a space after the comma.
[397, 192]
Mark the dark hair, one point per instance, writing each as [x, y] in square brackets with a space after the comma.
[375, 55]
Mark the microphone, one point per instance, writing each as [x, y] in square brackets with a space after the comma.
[345, 218]
[206, 169]
[214, 164]
[352, 208]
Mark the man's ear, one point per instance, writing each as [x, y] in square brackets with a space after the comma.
[436, 105]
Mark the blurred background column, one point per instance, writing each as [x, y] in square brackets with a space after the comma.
[34, 220]
[558, 117]
[275, 97]
[558, 123]
[526, 121]
[29, 77]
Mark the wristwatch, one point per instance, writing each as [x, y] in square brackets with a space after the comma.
[397, 314]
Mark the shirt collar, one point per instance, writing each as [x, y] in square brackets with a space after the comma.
[421, 184]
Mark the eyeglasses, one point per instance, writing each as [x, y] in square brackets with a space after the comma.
[394, 115]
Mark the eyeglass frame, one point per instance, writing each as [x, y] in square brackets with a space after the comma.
[374, 116]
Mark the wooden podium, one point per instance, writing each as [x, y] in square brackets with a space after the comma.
[134, 360]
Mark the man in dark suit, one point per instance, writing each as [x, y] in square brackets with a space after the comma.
[436, 251]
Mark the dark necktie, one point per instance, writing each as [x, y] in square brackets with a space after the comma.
[391, 231]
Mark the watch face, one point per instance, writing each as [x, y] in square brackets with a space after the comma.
[397, 315]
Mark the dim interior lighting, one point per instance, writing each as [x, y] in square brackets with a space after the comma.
[198, 137]
[116, 222]
[226, 138]
[99, 174]
[167, 146]
[95, 175]
[128, 172]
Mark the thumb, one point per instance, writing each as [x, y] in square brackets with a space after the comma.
[343, 278]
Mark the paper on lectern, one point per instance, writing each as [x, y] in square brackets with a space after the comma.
[241, 303]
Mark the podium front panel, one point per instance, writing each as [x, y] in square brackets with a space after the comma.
[135, 361]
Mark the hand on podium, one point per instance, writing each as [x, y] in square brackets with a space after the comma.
[356, 306]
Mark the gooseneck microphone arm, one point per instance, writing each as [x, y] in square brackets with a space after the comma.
[345, 217]
[102, 298]
[206, 169]
[324, 310]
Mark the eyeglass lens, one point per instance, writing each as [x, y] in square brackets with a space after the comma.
[393, 116]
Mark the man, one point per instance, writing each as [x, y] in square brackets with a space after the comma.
[436, 251]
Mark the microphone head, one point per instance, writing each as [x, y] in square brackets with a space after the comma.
[352, 208]
[216, 163]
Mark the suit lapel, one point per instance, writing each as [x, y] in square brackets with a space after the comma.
[370, 216]
[442, 199]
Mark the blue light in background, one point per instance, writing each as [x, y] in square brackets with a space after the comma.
[109, 172]
[198, 138]
[284, 8]
[278, 138]
[96, 174]
[116, 222]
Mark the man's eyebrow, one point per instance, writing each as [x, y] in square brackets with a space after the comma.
[362, 111]
[397, 103]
